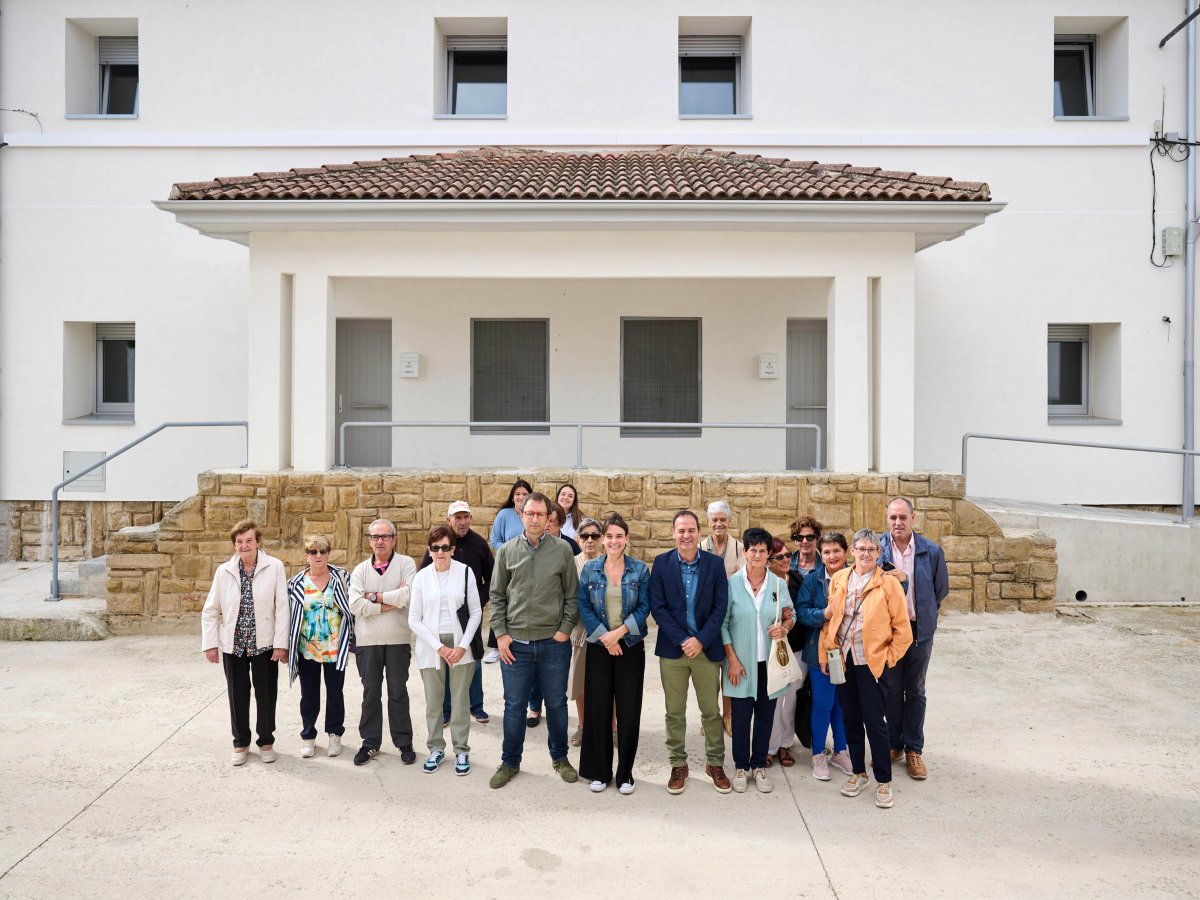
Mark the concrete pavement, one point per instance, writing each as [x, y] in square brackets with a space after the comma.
[1063, 757]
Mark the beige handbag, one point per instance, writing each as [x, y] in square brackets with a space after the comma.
[782, 668]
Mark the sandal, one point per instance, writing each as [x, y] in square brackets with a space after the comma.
[727, 724]
[770, 761]
[785, 758]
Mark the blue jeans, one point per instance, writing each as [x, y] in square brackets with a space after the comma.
[546, 662]
[906, 697]
[826, 712]
[476, 693]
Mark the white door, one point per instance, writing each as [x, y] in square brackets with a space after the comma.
[806, 391]
[364, 388]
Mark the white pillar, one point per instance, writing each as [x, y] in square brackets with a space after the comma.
[897, 371]
[312, 373]
[849, 374]
[263, 367]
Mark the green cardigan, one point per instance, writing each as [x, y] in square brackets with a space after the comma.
[739, 629]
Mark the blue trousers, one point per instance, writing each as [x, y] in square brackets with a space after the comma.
[826, 712]
[476, 693]
[906, 697]
[546, 662]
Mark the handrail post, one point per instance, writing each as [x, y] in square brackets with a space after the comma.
[578, 445]
[966, 437]
[54, 546]
[819, 461]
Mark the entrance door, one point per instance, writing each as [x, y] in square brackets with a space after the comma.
[364, 388]
[806, 395]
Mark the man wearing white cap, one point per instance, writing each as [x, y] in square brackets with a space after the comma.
[473, 551]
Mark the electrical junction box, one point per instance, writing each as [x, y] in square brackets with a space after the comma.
[1172, 241]
[410, 365]
[768, 365]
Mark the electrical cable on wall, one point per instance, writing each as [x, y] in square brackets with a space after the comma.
[26, 112]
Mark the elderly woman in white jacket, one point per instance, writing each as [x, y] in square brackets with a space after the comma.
[444, 614]
[244, 624]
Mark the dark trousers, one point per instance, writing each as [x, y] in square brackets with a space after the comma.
[476, 693]
[310, 672]
[608, 678]
[864, 703]
[547, 662]
[906, 697]
[374, 662]
[750, 747]
[240, 673]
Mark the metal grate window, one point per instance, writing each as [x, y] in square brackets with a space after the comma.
[660, 375]
[510, 374]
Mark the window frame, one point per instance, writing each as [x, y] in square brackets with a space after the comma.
[1086, 43]
[713, 47]
[100, 407]
[644, 432]
[543, 324]
[117, 56]
[1071, 334]
[457, 44]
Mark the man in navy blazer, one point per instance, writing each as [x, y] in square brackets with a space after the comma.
[689, 594]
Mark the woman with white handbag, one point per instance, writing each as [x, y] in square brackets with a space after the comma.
[753, 633]
[866, 632]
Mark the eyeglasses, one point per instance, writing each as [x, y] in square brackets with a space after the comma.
[533, 514]
[866, 549]
[440, 548]
[380, 537]
[777, 557]
[805, 538]
[590, 536]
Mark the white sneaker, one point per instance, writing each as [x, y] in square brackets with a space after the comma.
[308, 748]
[598, 786]
[493, 655]
[240, 755]
[883, 796]
[739, 781]
[761, 781]
[627, 788]
[268, 754]
[335, 744]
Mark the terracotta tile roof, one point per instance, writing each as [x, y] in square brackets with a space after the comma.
[668, 173]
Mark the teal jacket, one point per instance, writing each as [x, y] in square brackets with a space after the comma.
[741, 627]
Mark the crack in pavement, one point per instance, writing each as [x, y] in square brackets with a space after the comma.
[121, 778]
[812, 840]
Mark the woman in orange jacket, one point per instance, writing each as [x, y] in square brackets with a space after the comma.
[866, 624]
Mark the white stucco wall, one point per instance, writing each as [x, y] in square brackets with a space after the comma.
[946, 89]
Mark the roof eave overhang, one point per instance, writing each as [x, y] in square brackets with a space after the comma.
[930, 222]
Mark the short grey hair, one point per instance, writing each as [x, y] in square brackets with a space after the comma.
[585, 522]
[388, 522]
[865, 534]
[719, 506]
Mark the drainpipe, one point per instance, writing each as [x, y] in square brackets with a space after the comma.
[1189, 274]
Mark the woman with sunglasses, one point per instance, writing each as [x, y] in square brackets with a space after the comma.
[614, 603]
[804, 532]
[589, 548]
[320, 637]
[783, 729]
[444, 614]
[866, 623]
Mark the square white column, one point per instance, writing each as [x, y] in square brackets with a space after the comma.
[264, 345]
[849, 374]
[312, 373]
[896, 299]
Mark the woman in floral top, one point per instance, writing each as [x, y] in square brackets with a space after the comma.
[319, 641]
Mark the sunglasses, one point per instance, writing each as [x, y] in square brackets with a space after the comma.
[590, 536]
[805, 538]
[778, 557]
[316, 552]
[440, 548]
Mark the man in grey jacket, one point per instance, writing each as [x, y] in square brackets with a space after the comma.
[379, 593]
[534, 605]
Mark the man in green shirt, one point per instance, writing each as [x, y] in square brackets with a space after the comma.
[534, 606]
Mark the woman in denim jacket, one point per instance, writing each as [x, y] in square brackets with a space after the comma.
[614, 603]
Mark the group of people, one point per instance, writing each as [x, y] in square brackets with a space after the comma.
[568, 617]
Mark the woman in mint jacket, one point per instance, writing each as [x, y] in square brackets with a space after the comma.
[748, 633]
[614, 603]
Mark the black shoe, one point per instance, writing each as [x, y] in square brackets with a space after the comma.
[408, 755]
[365, 755]
[533, 718]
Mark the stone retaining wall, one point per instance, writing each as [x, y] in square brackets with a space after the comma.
[84, 526]
[162, 572]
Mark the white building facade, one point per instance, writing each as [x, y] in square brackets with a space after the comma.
[1046, 318]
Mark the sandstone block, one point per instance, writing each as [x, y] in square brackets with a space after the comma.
[965, 549]
[947, 484]
[194, 567]
[960, 582]
[1009, 549]
[139, 561]
[254, 478]
[872, 484]
[1046, 590]
[998, 606]
[957, 601]
[1016, 591]
[1038, 606]
[914, 487]
[822, 493]
[1043, 571]
[125, 604]
[970, 519]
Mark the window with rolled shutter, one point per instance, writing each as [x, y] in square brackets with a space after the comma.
[710, 74]
[118, 57]
[1068, 361]
[115, 369]
[510, 374]
[660, 375]
[477, 82]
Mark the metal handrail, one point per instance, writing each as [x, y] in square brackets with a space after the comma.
[578, 426]
[54, 596]
[1186, 505]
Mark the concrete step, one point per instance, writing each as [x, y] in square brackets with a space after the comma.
[91, 580]
[83, 626]
[25, 614]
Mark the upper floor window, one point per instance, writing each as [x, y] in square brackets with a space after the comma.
[1091, 67]
[118, 75]
[102, 74]
[710, 75]
[477, 75]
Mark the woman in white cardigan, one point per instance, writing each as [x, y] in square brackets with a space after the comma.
[444, 614]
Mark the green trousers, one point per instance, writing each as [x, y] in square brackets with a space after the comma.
[434, 682]
[705, 676]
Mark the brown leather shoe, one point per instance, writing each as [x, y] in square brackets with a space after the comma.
[719, 779]
[679, 777]
[916, 768]
[897, 755]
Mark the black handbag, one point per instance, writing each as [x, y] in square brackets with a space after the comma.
[464, 616]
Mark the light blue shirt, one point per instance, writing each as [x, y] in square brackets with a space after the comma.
[691, 579]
